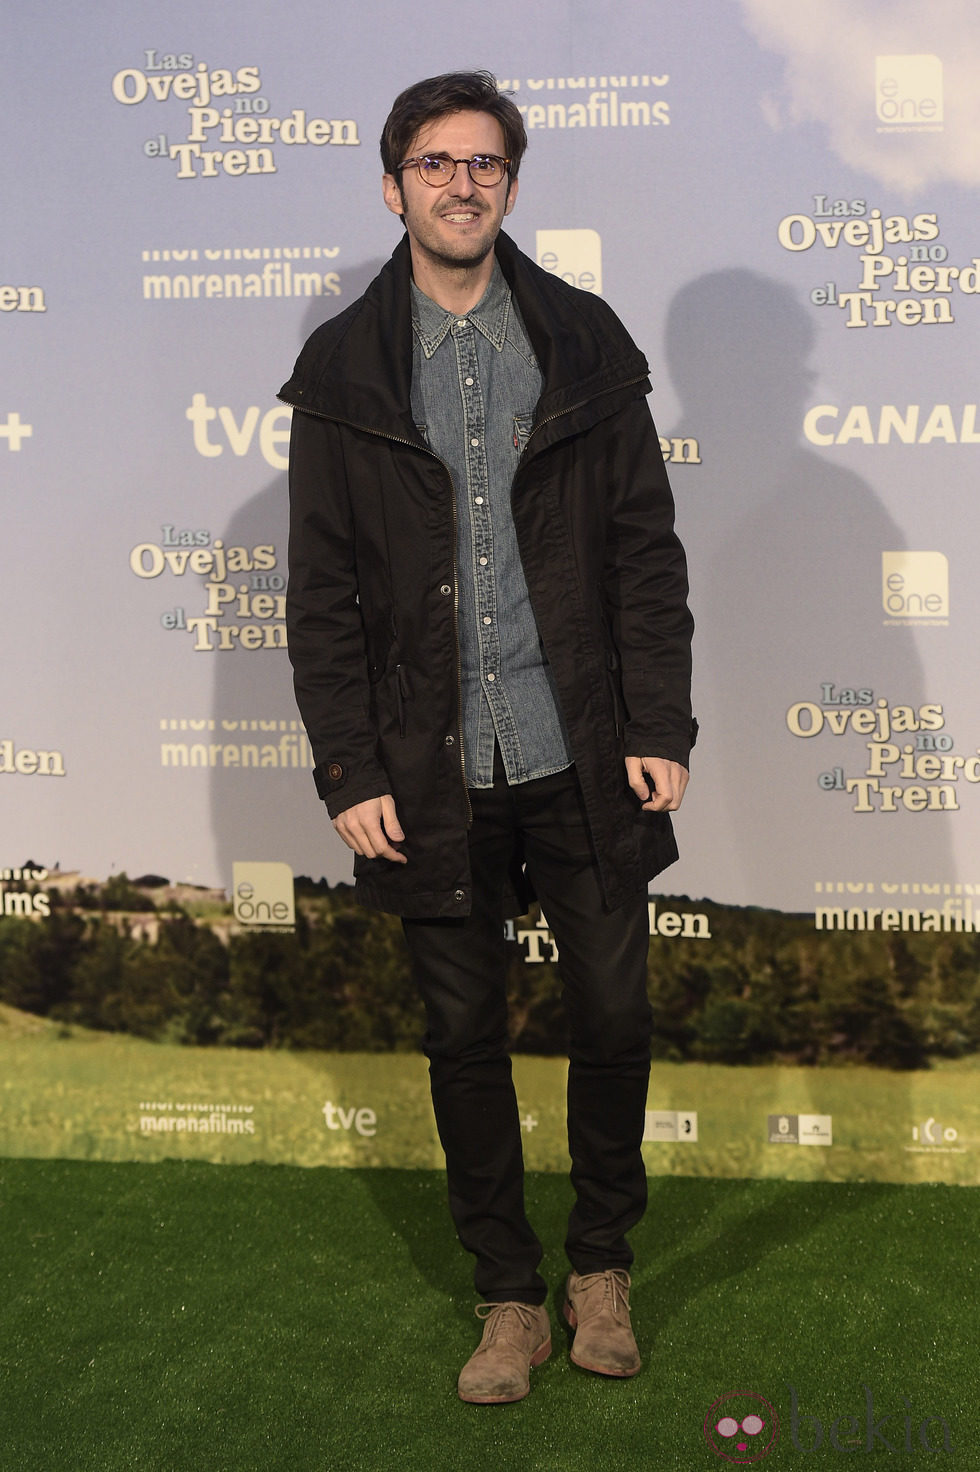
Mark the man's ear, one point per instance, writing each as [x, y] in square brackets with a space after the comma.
[511, 197]
[392, 192]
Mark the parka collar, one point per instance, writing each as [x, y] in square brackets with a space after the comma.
[357, 367]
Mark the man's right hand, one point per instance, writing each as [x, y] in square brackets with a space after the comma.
[370, 828]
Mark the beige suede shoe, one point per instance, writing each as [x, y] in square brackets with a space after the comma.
[516, 1338]
[597, 1307]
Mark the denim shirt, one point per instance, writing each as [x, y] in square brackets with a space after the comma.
[475, 384]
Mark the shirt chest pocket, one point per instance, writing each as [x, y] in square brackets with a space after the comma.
[523, 424]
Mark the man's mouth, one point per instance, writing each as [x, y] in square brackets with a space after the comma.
[460, 217]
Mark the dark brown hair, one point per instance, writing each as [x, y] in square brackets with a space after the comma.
[437, 97]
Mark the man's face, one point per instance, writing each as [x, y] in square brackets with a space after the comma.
[457, 224]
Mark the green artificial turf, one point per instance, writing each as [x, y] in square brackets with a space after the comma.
[157, 1318]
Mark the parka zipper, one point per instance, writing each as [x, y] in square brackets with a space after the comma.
[628, 383]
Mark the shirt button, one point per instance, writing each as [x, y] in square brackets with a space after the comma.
[460, 321]
[478, 500]
[446, 589]
[483, 561]
[491, 677]
[475, 443]
[487, 619]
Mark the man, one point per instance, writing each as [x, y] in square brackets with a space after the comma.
[488, 627]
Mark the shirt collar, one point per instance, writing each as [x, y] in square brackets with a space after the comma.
[431, 322]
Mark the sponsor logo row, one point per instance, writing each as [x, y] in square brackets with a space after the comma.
[357, 1119]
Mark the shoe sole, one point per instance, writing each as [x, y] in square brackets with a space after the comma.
[571, 1319]
[538, 1358]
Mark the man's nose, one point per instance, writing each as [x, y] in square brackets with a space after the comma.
[462, 186]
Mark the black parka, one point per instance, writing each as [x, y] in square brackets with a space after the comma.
[371, 605]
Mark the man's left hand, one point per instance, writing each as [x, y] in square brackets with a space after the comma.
[659, 784]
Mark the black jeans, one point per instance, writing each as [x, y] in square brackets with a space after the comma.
[460, 968]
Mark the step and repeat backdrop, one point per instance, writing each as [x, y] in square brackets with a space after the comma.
[781, 203]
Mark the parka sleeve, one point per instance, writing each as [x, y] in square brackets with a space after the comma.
[324, 628]
[646, 588]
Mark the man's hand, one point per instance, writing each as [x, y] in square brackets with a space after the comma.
[370, 828]
[658, 784]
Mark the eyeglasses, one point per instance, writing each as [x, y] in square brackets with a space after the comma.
[438, 169]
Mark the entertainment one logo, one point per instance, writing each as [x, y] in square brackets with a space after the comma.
[591, 101]
[230, 132]
[263, 895]
[574, 255]
[905, 278]
[922, 775]
[909, 94]
[245, 597]
[220, 273]
[915, 587]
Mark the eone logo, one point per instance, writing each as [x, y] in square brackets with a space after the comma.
[263, 894]
[909, 90]
[741, 1427]
[915, 584]
[574, 255]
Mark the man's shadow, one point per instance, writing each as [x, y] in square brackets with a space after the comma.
[785, 556]
[272, 813]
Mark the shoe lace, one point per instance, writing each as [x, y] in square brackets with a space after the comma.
[500, 1316]
[616, 1290]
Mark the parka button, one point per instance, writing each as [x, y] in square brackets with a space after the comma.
[446, 589]
[450, 740]
[335, 771]
[459, 894]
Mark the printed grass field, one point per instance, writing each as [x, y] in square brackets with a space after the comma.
[179, 1317]
[81, 1095]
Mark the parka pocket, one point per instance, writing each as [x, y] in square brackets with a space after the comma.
[616, 691]
[614, 682]
[391, 691]
[402, 693]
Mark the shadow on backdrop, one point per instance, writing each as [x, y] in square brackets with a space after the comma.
[785, 555]
[272, 814]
